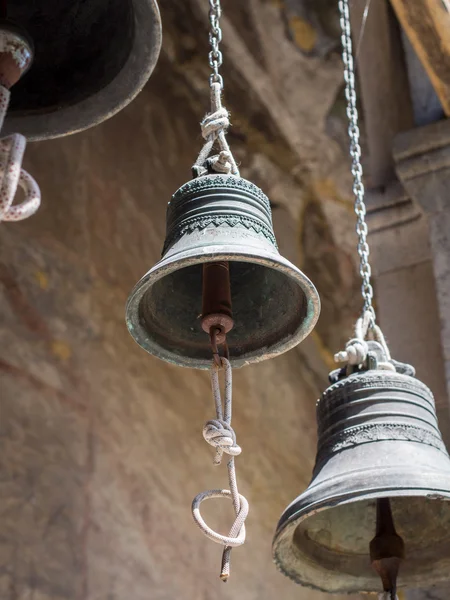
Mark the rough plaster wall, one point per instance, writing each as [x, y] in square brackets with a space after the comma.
[101, 449]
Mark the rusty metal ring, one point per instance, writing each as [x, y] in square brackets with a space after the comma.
[213, 334]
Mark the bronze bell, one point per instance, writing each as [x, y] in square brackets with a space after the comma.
[225, 222]
[379, 500]
[90, 60]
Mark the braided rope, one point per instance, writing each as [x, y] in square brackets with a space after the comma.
[12, 176]
[214, 127]
[219, 434]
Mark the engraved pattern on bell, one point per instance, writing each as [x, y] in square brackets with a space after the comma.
[378, 438]
[241, 204]
[211, 219]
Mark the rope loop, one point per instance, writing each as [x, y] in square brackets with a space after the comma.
[12, 176]
[238, 525]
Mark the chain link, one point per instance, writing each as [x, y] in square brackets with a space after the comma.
[355, 153]
[215, 37]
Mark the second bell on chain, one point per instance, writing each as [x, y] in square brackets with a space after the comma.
[379, 451]
[221, 219]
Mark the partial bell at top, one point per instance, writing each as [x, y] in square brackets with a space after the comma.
[221, 220]
[379, 445]
[91, 58]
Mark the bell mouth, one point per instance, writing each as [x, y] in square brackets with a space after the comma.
[91, 59]
[326, 547]
[275, 306]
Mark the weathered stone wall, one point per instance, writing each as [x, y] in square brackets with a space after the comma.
[101, 449]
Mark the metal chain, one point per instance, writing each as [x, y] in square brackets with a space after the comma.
[215, 37]
[216, 123]
[355, 153]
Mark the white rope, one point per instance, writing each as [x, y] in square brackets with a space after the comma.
[219, 434]
[214, 127]
[356, 349]
[12, 175]
[386, 596]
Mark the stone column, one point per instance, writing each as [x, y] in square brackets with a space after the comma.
[423, 165]
[409, 224]
[405, 289]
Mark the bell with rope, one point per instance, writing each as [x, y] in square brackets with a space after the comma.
[220, 272]
[220, 238]
[379, 499]
[221, 287]
[376, 515]
[90, 60]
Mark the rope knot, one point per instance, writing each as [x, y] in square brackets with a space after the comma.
[355, 352]
[215, 122]
[214, 128]
[219, 434]
[357, 349]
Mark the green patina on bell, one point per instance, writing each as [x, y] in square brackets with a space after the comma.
[214, 219]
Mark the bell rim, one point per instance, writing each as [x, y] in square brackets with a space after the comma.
[289, 526]
[115, 96]
[221, 253]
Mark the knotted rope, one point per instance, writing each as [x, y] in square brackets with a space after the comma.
[356, 349]
[219, 434]
[214, 127]
[12, 175]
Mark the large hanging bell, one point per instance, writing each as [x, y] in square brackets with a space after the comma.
[91, 58]
[378, 440]
[221, 219]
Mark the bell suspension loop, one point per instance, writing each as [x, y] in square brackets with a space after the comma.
[16, 56]
[215, 124]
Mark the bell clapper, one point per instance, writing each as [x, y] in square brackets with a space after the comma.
[16, 55]
[217, 318]
[387, 548]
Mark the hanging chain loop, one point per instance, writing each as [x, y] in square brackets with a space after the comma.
[355, 153]
[216, 123]
[219, 434]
